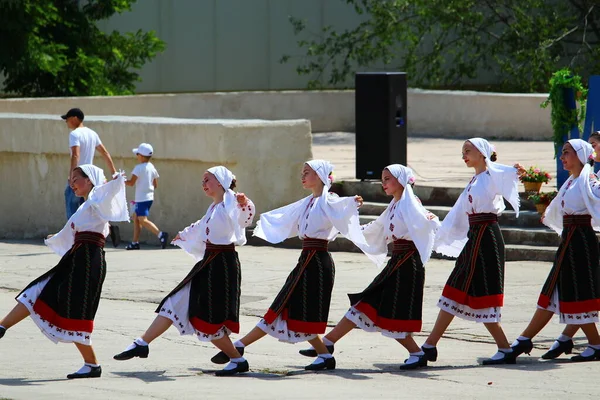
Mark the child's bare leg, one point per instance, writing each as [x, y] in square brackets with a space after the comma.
[495, 329]
[16, 315]
[136, 229]
[255, 334]
[87, 352]
[409, 344]
[441, 324]
[571, 330]
[224, 344]
[146, 223]
[539, 320]
[157, 328]
[340, 330]
[591, 333]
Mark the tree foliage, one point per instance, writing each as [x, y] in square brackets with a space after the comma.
[54, 48]
[448, 43]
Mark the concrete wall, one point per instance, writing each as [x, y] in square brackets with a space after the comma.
[327, 110]
[430, 112]
[221, 45]
[266, 157]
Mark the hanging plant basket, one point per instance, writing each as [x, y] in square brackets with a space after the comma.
[562, 117]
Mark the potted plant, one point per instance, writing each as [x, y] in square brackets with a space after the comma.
[564, 116]
[533, 179]
[541, 200]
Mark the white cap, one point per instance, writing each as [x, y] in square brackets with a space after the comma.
[144, 149]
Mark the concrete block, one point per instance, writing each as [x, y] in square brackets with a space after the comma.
[266, 156]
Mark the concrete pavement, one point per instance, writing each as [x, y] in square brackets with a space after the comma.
[31, 367]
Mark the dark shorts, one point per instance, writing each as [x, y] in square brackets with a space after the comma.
[142, 209]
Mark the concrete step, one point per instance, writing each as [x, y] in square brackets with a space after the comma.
[514, 252]
[539, 236]
[429, 195]
[527, 219]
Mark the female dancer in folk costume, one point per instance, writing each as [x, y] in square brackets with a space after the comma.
[572, 289]
[392, 303]
[301, 309]
[564, 343]
[207, 302]
[475, 289]
[63, 301]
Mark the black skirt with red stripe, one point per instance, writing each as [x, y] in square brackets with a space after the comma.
[394, 300]
[214, 290]
[305, 298]
[477, 280]
[576, 271]
[70, 299]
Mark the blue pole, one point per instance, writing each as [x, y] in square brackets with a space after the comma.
[561, 174]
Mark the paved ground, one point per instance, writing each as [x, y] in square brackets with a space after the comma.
[31, 367]
[436, 162]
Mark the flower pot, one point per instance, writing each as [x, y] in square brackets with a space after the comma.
[541, 208]
[533, 186]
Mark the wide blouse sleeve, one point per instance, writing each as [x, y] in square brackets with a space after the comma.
[192, 240]
[109, 200]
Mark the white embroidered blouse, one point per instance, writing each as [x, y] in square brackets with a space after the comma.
[217, 226]
[105, 203]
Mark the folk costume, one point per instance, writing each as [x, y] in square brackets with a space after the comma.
[572, 288]
[63, 301]
[301, 309]
[392, 303]
[475, 289]
[206, 303]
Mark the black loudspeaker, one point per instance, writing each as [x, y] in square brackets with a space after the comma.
[380, 99]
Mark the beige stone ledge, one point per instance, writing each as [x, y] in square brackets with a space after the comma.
[266, 156]
[444, 114]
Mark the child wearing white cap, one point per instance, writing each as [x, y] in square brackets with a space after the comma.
[145, 179]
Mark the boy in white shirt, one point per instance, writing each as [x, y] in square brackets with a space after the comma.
[145, 179]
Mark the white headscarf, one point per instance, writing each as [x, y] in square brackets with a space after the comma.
[452, 235]
[420, 228]
[553, 216]
[106, 198]
[197, 248]
[95, 174]
[277, 225]
[225, 178]
[503, 176]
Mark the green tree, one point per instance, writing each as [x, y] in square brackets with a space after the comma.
[54, 48]
[447, 43]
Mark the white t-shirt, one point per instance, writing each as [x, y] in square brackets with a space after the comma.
[87, 140]
[144, 186]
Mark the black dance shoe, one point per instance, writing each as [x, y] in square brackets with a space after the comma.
[524, 346]
[164, 240]
[430, 353]
[240, 367]
[580, 358]
[312, 353]
[95, 372]
[419, 364]
[2, 332]
[509, 358]
[137, 351]
[563, 347]
[328, 363]
[222, 358]
[115, 235]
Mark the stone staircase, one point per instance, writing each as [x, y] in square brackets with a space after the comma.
[526, 238]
